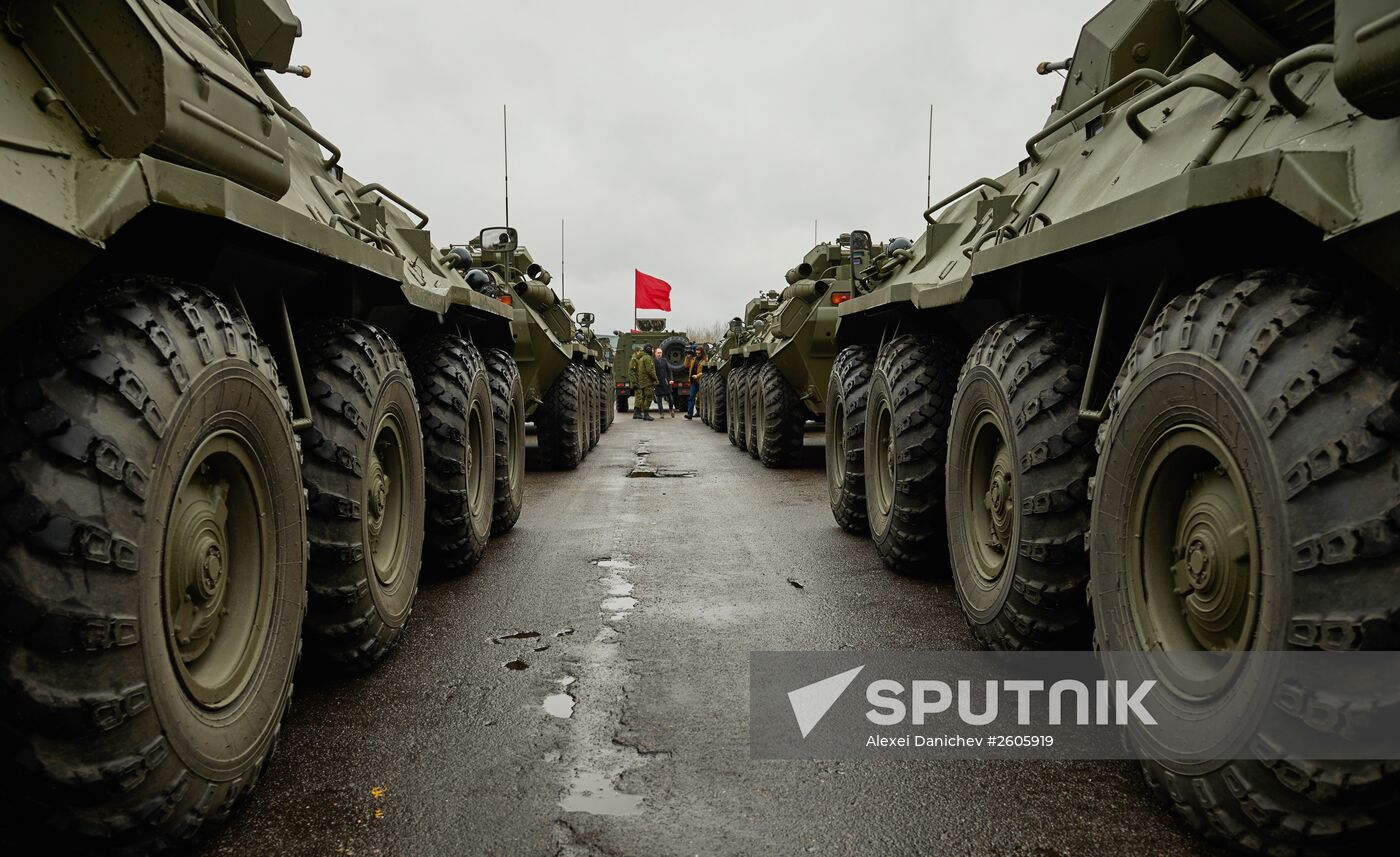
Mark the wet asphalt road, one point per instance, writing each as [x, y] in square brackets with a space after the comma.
[630, 607]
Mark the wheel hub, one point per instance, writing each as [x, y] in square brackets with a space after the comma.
[217, 575]
[1211, 560]
[989, 486]
[197, 564]
[378, 497]
[1195, 568]
[884, 485]
[386, 501]
[998, 500]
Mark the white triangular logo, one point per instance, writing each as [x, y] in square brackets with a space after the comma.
[811, 703]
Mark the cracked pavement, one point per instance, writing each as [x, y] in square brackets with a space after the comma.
[585, 692]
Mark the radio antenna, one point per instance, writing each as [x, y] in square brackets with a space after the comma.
[561, 258]
[505, 146]
[928, 185]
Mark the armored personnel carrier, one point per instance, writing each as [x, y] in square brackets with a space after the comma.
[651, 334]
[247, 398]
[1142, 387]
[558, 371]
[789, 363]
[739, 374]
[600, 367]
[713, 399]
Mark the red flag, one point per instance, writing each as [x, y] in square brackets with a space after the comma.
[652, 293]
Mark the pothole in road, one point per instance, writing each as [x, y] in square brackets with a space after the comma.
[612, 562]
[518, 635]
[561, 704]
[619, 601]
[618, 586]
[618, 608]
[516, 664]
[646, 471]
[642, 468]
[593, 793]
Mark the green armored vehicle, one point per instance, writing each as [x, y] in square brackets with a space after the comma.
[558, 372]
[651, 334]
[244, 389]
[601, 368]
[1143, 386]
[711, 406]
[713, 399]
[788, 366]
[758, 314]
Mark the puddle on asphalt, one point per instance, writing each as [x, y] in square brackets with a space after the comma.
[593, 793]
[618, 607]
[516, 664]
[619, 601]
[561, 704]
[617, 585]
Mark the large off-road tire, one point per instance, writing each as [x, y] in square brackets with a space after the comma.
[607, 397]
[588, 392]
[906, 435]
[782, 419]
[1018, 474]
[719, 404]
[560, 421]
[459, 448]
[734, 390]
[600, 405]
[753, 409]
[601, 402]
[508, 420]
[1264, 407]
[673, 352]
[605, 413]
[364, 474]
[847, 394]
[152, 567]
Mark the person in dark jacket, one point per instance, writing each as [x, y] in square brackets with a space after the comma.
[695, 366]
[663, 386]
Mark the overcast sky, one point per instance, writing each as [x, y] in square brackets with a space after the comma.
[695, 141]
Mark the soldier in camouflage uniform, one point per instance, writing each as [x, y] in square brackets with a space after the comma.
[639, 404]
[645, 383]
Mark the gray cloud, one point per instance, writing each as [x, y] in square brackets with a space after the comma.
[697, 142]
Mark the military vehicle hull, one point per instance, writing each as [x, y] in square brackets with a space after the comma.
[216, 444]
[1160, 327]
[561, 370]
[788, 357]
